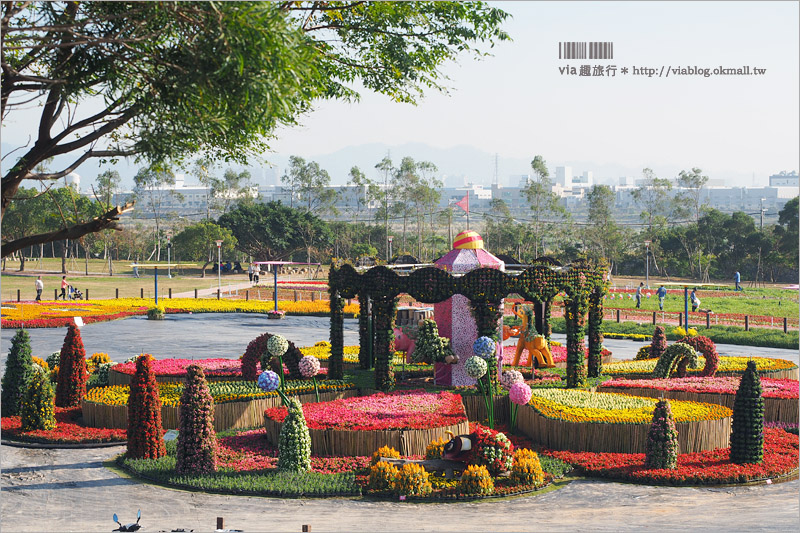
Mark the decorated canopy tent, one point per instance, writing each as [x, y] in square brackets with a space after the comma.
[453, 316]
[378, 288]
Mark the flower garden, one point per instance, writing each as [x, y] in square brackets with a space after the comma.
[335, 420]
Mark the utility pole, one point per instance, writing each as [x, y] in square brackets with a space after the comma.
[647, 264]
[762, 214]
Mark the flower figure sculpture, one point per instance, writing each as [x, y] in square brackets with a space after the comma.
[510, 377]
[276, 347]
[520, 394]
[309, 368]
[484, 347]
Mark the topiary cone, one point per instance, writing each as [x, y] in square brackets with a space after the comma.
[747, 434]
[71, 385]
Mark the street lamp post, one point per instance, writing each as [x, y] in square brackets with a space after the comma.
[647, 263]
[390, 238]
[762, 214]
[169, 254]
[219, 266]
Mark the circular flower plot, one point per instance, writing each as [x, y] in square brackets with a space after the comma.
[780, 395]
[728, 366]
[404, 420]
[237, 404]
[565, 419]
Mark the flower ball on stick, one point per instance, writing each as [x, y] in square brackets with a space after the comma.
[476, 368]
[509, 377]
[309, 368]
[277, 346]
[520, 394]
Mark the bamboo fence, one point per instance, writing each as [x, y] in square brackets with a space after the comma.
[618, 438]
[364, 443]
[785, 410]
[227, 415]
[789, 373]
[476, 408]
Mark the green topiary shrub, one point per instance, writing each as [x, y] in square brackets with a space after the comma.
[19, 367]
[659, 342]
[197, 440]
[37, 410]
[747, 435]
[294, 441]
[72, 374]
[429, 346]
[144, 413]
[661, 449]
[675, 355]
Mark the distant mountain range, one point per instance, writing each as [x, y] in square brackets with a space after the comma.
[456, 165]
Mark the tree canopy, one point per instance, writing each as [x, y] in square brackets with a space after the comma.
[181, 78]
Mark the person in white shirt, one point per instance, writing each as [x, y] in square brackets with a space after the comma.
[39, 288]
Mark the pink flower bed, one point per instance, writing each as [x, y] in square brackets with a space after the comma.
[177, 367]
[414, 409]
[772, 388]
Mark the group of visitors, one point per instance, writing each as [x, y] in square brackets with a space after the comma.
[254, 273]
[662, 294]
[39, 286]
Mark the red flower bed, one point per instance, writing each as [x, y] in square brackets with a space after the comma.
[250, 451]
[67, 431]
[703, 468]
[771, 388]
[414, 409]
[66, 321]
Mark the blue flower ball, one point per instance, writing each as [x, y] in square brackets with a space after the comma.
[484, 347]
[269, 381]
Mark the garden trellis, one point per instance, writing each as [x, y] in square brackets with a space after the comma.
[582, 285]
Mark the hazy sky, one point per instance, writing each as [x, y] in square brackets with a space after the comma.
[518, 104]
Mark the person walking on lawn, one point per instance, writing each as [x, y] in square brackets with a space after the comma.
[661, 293]
[737, 279]
[639, 295]
[39, 284]
[695, 300]
[64, 286]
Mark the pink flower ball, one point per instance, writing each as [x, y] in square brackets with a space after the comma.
[509, 377]
[309, 366]
[520, 393]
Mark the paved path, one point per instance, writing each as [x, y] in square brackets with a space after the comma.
[70, 490]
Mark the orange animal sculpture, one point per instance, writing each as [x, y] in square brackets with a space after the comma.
[529, 340]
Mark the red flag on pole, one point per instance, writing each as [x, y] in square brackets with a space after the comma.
[464, 203]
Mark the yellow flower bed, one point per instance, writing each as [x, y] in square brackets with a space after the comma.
[221, 391]
[96, 308]
[726, 364]
[323, 353]
[612, 408]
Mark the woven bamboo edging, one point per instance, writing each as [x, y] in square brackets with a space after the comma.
[364, 443]
[228, 415]
[775, 409]
[789, 373]
[120, 378]
[618, 438]
[476, 408]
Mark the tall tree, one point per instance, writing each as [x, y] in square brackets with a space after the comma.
[386, 168]
[605, 238]
[653, 197]
[198, 243]
[693, 181]
[182, 78]
[310, 183]
[546, 208]
[153, 190]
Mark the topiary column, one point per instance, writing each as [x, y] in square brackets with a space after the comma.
[336, 360]
[19, 368]
[384, 312]
[659, 343]
[71, 383]
[574, 316]
[747, 436]
[197, 440]
[294, 441]
[595, 364]
[37, 411]
[144, 413]
[661, 449]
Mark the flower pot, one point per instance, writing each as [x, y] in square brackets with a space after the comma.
[443, 374]
[275, 316]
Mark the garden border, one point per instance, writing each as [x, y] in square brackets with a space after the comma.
[558, 434]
